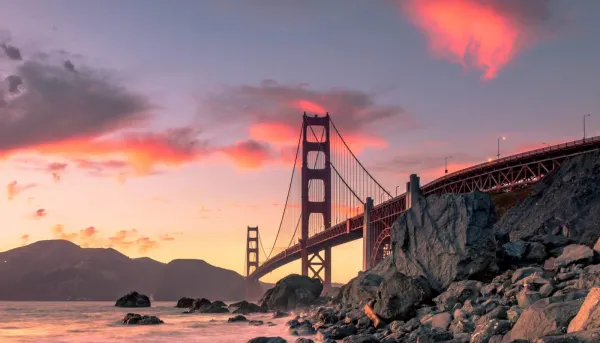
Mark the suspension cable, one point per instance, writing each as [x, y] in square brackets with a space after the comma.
[299, 218]
[334, 169]
[288, 195]
[360, 164]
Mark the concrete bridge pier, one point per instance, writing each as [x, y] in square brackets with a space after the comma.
[253, 290]
[413, 191]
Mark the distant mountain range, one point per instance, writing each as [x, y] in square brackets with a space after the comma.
[60, 270]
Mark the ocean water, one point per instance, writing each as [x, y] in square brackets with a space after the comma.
[92, 322]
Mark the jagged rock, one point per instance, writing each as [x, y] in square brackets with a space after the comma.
[302, 328]
[486, 330]
[399, 295]
[199, 303]
[267, 340]
[362, 338]
[458, 292]
[211, 308]
[588, 336]
[588, 316]
[291, 292]
[574, 253]
[360, 289]
[522, 273]
[445, 238]
[570, 198]
[441, 320]
[133, 299]
[527, 298]
[543, 318]
[428, 334]
[244, 307]
[137, 319]
[515, 250]
[219, 303]
[185, 302]
[536, 252]
[343, 331]
[238, 318]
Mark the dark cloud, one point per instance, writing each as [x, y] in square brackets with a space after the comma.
[271, 101]
[12, 52]
[14, 82]
[58, 105]
[70, 66]
[527, 12]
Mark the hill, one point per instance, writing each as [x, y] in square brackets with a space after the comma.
[61, 270]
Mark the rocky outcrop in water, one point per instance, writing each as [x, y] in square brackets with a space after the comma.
[291, 292]
[138, 319]
[185, 303]
[133, 299]
[244, 307]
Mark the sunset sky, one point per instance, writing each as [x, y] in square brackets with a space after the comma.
[164, 128]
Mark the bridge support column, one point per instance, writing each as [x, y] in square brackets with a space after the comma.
[251, 250]
[413, 191]
[368, 239]
[319, 263]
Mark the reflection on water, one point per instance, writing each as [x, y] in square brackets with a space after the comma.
[92, 322]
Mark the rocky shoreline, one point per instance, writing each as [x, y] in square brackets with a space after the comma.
[457, 273]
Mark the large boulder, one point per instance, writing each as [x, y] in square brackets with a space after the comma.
[133, 299]
[564, 204]
[445, 238]
[361, 289]
[291, 292]
[399, 296]
[588, 316]
[544, 318]
[185, 303]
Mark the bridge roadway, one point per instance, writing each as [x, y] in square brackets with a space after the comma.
[500, 174]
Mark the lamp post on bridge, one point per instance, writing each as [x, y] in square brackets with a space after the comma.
[500, 138]
[585, 116]
[446, 164]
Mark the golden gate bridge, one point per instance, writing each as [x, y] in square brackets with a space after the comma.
[332, 199]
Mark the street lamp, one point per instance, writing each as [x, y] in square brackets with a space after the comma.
[585, 116]
[500, 138]
[446, 164]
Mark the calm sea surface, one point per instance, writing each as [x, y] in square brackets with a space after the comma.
[100, 322]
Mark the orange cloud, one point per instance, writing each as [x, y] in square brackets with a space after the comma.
[40, 213]
[13, 189]
[24, 239]
[310, 107]
[166, 237]
[249, 154]
[123, 239]
[275, 133]
[486, 35]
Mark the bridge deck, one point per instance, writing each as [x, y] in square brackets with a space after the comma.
[505, 173]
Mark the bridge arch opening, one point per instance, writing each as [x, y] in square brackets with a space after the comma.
[316, 160]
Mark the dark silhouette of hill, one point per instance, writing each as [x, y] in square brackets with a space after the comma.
[61, 270]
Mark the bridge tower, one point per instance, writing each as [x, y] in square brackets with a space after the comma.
[317, 262]
[251, 250]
